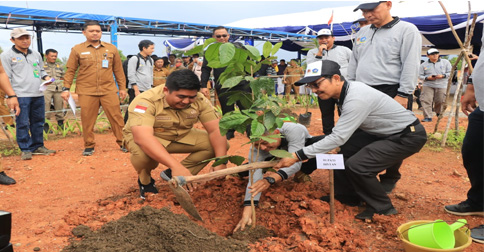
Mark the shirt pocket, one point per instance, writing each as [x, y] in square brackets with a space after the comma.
[86, 59]
[164, 123]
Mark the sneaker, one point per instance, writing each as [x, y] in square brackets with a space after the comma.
[477, 234]
[10, 126]
[301, 177]
[123, 149]
[46, 128]
[427, 120]
[26, 155]
[368, 213]
[88, 152]
[344, 199]
[147, 188]
[166, 174]
[463, 209]
[6, 180]
[43, 151]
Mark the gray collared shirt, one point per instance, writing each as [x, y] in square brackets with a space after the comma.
[429, 68]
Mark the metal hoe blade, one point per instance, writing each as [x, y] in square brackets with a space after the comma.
[184, 198]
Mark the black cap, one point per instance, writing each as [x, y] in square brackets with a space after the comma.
[368, 5]
[317, 69]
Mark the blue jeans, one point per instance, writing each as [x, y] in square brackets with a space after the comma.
[30, 123]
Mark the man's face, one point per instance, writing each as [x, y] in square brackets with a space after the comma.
[180, 99]
[22, 42]
[266, 146]
[221, 35]
[149, 50]
[51, 57]
[292, 63]
[159, 63]
[172, 58]
[327, 40]
[93, 33]
[325, 88]
[186, 60]
[379, 14]
[433, 57]
[282, 63]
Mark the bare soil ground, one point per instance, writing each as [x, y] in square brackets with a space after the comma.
[55, 194]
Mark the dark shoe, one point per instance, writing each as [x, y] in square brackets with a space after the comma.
[463, 209]
[124, 150]
[10, 126]
[230, 134]
[88, 152]
[26, 155]
[387, 186]
[427, 120]
[166, 174]
[147, 188]
[6, 180]
[368, 213]
[477, 234]
[46, 128]
[43, 151]
[344, 199]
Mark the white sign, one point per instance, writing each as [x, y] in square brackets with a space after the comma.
[330, 161]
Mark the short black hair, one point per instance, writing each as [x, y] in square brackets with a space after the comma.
[182, 79]
[196, 55]
[219, 28]
[90, 22]
[50, 51]
[283, 60]
[145, 44]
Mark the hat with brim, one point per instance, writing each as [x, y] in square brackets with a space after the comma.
[19, 32]
[369, 5]
[432, 51]
[318, 69]
[324, 32]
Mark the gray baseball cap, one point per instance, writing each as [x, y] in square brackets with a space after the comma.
[19, 32]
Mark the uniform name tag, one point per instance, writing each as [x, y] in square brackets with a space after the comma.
[105, 63]
[163, 118]
[85, 53]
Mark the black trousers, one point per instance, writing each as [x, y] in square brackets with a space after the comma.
[327, 113]
[223, 97]
[364, 162]
[131, 98]
[309, 166]
[473, 158]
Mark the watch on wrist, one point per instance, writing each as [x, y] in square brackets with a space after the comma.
[271, 180]
[65, 89]
[11, 96]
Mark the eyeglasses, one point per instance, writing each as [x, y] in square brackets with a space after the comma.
[223, 35]
[315, 85]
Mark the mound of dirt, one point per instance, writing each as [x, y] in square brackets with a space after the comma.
[150, 229]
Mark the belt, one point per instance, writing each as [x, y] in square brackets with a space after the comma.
[409, 128]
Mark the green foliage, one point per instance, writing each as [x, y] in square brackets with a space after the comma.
[280, 153]
[455, 138]
[121, 55]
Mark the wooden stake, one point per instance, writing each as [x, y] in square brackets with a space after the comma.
[331, 196]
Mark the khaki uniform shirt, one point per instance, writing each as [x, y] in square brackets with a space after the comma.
[93, 78]
[159, 76]
[151, 109]
[293, 71]
[56, 71]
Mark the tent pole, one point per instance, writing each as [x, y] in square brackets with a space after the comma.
[38, 32]
[114, 33]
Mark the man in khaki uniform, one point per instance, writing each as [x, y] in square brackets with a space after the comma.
[160, 71]
[97, 61]
[292, 74]
[54, 90]
[7, 119]
[161, 122]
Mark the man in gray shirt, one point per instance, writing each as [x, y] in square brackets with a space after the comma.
[473, 148]
[386, 56]
[435, 73]
[327, 50]
[25, 69]
[397, 134]
[140, 71]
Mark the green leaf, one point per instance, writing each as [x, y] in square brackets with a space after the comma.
[269, 120]
[238, 160]
[279, 122]
[232, 82]
[276, 110]
[196, 49]
[269, 139]
[241, 55]
[281, 153]
[266, 49]
[257, 128]
[276, 48]
[208, 42]
[249, 78]
[227, 52]
[212, 52]
[229, 121]
[253, 52]
[215, 63]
